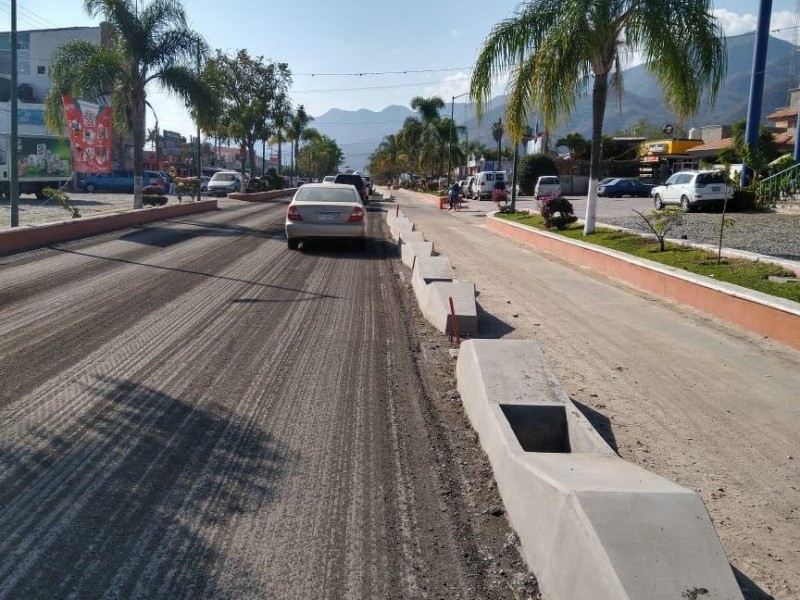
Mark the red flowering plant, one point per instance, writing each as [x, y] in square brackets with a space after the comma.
[557, 211]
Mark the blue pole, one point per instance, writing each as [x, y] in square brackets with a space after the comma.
[757, 80]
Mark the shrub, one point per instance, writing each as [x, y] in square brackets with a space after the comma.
[63, 200]
[187, 186]
[153, 190]
[154, 199]
[557, 212]
[661, 222]
[532, 167]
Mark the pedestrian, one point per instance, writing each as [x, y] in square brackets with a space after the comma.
[453, 192]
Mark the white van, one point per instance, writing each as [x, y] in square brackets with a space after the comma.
[484, 183]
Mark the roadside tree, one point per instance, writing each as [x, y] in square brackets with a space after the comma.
[555, 51]
[250, 92]
[151, 44]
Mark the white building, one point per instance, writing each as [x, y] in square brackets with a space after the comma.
[34, 51]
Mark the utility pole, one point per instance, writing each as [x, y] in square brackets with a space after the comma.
[757, 81]
[450, 143]
[13, 183]
[199, 150]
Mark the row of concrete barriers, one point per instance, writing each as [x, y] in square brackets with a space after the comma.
[591, 524]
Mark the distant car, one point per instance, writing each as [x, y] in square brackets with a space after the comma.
[693, 189]
[547, 185]
[326, 211]
[624, 186]
[368, 182]
[116, 180]
[204, 184]
[466, 186]
[302, 181]
[223, 183]
[329, 179]
[355, 180]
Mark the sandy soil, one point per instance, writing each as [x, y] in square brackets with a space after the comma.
[683, 395]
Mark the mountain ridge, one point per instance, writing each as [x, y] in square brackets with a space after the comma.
[359, 132]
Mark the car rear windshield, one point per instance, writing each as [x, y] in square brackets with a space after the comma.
[325, 194]
[350, 180]
[548, 180]
[224, 177]
[711, 178]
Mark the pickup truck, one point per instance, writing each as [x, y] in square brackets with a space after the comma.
[547, 185]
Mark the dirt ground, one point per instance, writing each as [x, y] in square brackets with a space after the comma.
[693, 399]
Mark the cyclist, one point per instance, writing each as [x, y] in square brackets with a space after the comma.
[453, 192]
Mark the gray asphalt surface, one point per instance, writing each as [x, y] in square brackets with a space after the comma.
[190, 410]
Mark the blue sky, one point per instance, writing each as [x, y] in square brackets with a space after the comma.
[432, 43]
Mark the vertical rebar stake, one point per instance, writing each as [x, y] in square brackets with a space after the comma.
[454, 333]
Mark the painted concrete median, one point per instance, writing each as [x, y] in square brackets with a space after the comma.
[36, 236]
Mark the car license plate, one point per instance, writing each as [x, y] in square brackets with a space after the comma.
[715, 188]
[328, 216]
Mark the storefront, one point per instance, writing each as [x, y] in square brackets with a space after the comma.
[661, 158]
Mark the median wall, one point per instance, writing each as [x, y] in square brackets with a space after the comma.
[36, 236]
[765, 315]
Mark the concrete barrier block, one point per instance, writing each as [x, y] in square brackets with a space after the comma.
[426, 270]
[409, 251]
[437, 306]
[591, 524]
[411, 236]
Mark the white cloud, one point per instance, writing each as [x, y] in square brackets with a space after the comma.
[451, 85]
[782, 25]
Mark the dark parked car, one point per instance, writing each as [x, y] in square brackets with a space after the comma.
[356, 181]
[624, 186]
[117, 180]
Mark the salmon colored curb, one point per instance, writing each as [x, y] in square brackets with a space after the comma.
[776, 318]
[36, 236]
[262, 196]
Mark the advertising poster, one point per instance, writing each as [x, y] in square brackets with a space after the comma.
[89, 127]
[44, 157]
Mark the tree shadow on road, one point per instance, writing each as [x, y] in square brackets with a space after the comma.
[750, 589]
[134, 497]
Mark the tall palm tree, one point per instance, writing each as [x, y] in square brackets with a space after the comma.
[297, 126]
[555, 50]
[148, 44]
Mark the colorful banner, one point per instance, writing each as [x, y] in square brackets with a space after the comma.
[89, 135]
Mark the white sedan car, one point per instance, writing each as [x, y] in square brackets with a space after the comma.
[326, 211]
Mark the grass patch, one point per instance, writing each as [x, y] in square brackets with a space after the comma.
[745, 273]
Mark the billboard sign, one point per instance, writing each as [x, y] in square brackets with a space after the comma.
[89, 135]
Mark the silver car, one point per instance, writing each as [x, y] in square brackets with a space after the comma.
[326, 211]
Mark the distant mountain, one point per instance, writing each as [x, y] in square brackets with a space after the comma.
[359, 132]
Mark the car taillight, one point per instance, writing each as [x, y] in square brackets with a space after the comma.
[293, 214]
[358, 215]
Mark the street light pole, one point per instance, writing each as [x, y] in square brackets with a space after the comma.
[497, 134]
[13, 183]
[450, 143]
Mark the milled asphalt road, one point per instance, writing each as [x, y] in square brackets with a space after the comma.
[190, 410]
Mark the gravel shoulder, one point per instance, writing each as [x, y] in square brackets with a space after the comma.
[685, 396]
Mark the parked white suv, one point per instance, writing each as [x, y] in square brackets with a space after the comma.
[693, 189]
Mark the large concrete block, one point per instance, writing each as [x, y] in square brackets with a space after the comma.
[426, 270]
[409, 251]
[411, 236]
[436, 306]
[591, 524]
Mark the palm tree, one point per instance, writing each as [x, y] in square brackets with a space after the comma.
[150, 45]
[297, 126]
[553, 50]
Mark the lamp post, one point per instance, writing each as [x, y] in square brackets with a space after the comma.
[450, 143]
[13, 175]
[497, 134]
